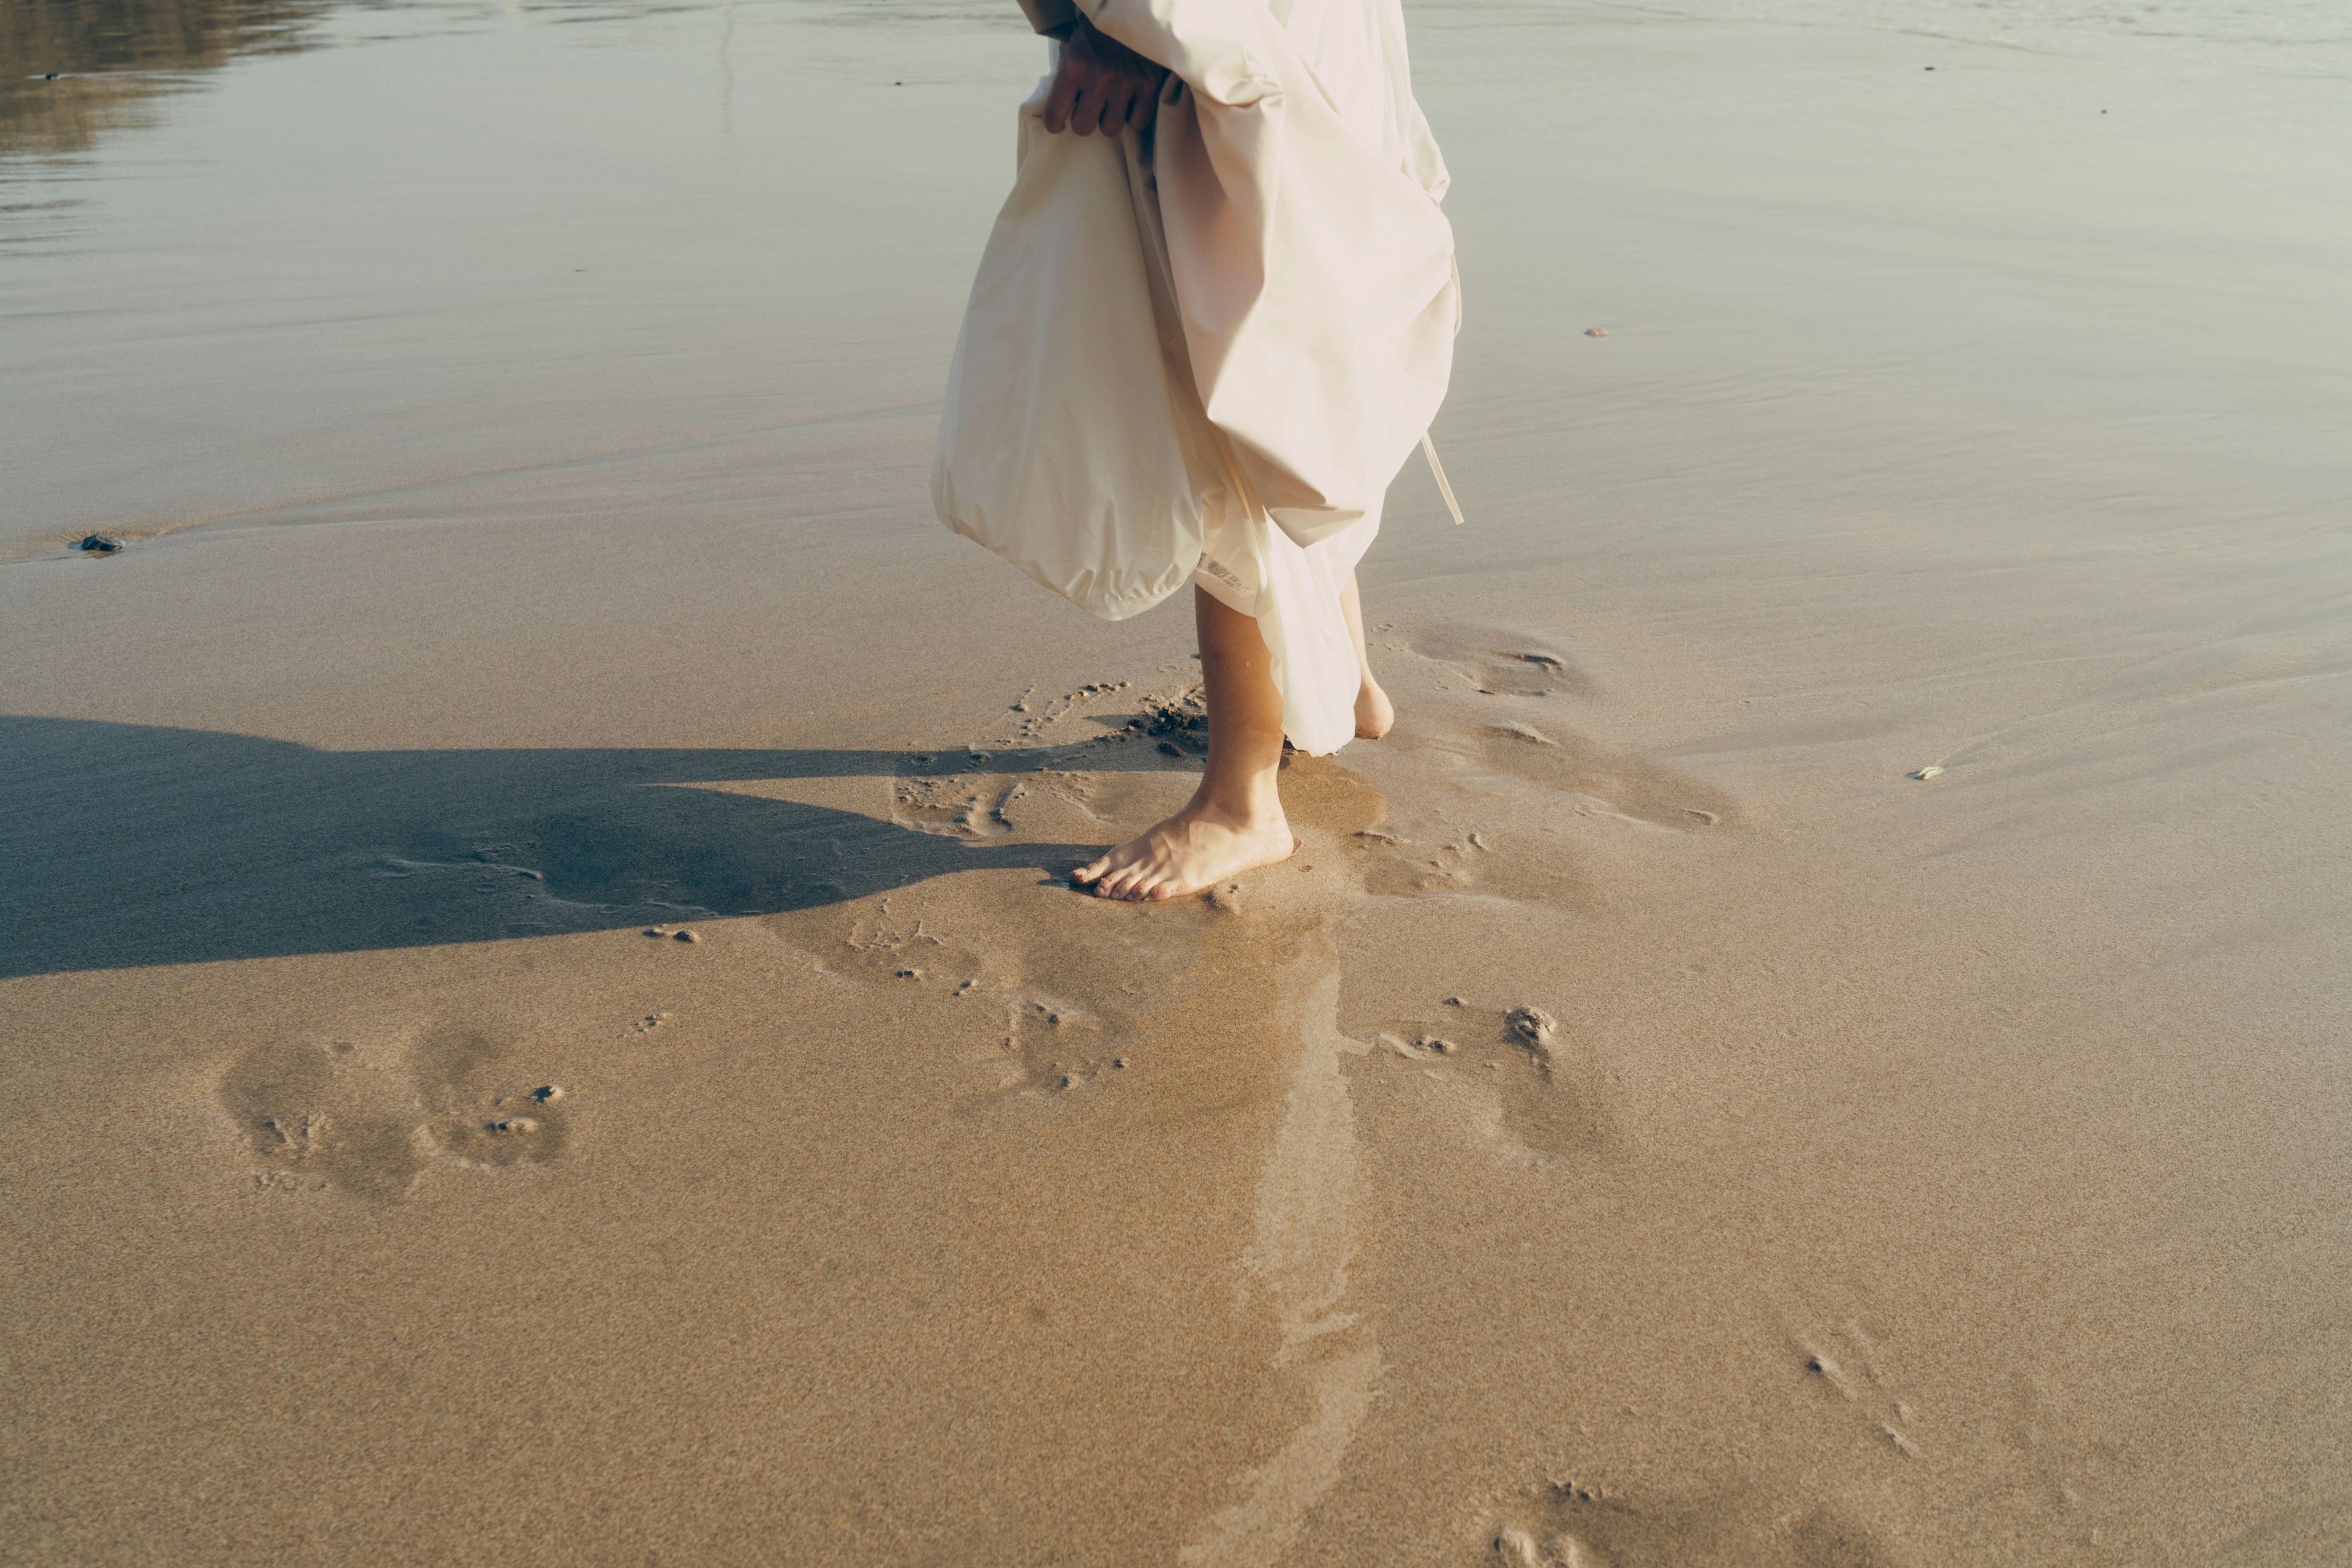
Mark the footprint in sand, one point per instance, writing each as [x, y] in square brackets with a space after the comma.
[1448, 861]
[1553, 1096]
[1524, 845]
[1050, 1046]
[1502, 664]
[883, 946]
[1579, 1524]
[1603, 782]
[481, 1114]
[330, 1115]
[316, 1115]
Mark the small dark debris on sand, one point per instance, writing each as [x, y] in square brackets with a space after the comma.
[686, 936]
[1181, 712]
[100, 544]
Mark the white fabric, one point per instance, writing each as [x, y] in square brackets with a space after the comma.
[1282, 251]
[1071, 442]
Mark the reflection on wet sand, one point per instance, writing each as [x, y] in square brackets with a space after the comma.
[73, 70]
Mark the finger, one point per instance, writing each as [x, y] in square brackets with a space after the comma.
[1171, 89]
[1140, 112]
[1058, 99]
[1088, 114]
[1114, 111]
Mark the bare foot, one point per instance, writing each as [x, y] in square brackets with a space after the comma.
[1193, 850]
[1374, 712]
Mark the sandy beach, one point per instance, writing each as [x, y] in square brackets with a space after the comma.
[544, 1022]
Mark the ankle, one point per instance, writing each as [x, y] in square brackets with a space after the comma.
[1247, 806]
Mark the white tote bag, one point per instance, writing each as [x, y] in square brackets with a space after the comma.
[1069, 444]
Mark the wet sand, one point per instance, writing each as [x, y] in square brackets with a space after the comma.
[1819, 1039]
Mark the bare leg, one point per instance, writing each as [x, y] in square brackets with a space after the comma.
[1374, 712]
[1233, 821]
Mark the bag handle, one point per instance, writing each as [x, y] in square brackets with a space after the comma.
[1437, 472]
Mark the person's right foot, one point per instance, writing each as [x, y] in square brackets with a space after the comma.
[1189, 853]
[1374, 712]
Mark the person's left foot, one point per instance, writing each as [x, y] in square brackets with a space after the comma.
[1374, 712]
[1189, 853]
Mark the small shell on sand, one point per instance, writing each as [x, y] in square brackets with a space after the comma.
[1596, 332]
[1930, 770]
[514, 1125]
[546, 1092]
[687, 936]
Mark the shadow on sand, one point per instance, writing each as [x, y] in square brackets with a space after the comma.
[124, 845]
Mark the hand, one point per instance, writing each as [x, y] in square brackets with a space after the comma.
[1102, 85]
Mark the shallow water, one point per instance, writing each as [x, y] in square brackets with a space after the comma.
[260, 253]
[327, 250]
